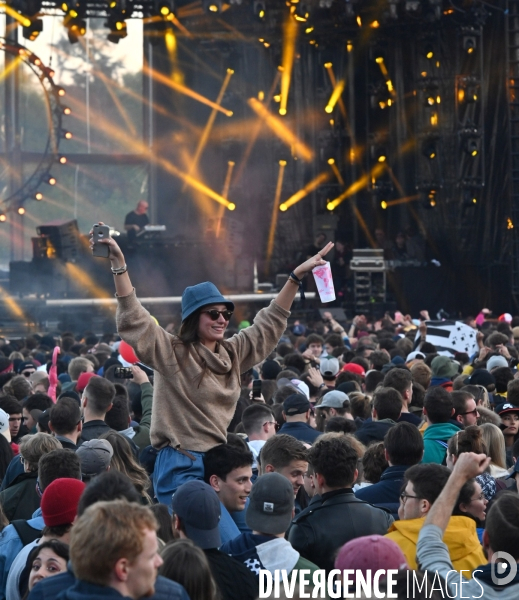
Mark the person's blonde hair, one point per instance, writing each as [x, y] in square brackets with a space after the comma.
[495, 443]
[124, 460]
[105, 533]
[33, 447]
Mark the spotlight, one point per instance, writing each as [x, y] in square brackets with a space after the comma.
[469, 43]
[472, 147]
[430, 198]
[301, 12]
[378, 153]
[76, 25]
[34, 30]
[51, 180]
[429, 149]
[259, 9]
[38, 196]
[164, 7]
[120, 10]
[21, 210]
[212, 6]
[3, 217]
[63, 160]
[429, 51]
[66, 110]
[470, 198]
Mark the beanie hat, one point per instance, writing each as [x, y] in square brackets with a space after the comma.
[270, 369]
[83, 380]
[60, 501]
[196, 296]
[354, 368]
[496, 361]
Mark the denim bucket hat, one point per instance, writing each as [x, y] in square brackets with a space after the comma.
[196, 296]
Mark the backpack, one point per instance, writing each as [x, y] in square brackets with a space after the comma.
[26, 533]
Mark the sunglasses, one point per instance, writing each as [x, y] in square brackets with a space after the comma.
[214, 314]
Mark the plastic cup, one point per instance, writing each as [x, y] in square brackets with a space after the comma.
[324, 282]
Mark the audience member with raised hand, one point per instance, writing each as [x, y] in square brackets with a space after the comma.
[185, 425]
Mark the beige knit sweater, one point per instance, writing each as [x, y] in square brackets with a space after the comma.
[189, 411]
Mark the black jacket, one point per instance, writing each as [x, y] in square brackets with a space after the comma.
[20, 499]
[322, 528]
[92, 430]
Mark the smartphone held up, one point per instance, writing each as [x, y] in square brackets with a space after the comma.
[100, 232]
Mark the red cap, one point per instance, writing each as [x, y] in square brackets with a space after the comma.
[60, 500]
[83, 380]
[354, 368]
[371, 552]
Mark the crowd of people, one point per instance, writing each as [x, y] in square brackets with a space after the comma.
[361, 447]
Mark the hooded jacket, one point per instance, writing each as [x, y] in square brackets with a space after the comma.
[460, 537]
[435, 440]
[374, 431]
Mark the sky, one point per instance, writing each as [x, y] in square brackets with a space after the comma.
[128, 51]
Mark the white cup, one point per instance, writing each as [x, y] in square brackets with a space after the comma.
[324, 282]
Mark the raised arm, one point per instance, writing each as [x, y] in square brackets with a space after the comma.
[123, 285]
[288, 292]
[468, 466]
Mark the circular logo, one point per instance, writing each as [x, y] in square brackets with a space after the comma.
[503, 569]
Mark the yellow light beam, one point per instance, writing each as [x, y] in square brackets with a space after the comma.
[80, 276]
[281, 130]
[404, 200]
[309, 187]
[12, 66]
[257, 129]
[336, 94]
[287, 61]
[355, 187]
[11, 304]
[182, 89]
[26, 22]
[209, 125]
[274, 218]
[364, 227]
[336, 171]
[225, 194]
[329, 69]
[228, 177]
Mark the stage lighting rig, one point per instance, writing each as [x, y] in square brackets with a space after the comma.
[301, 11]
[33, 30]
[74, 21]
[118, 12]
[470, 39]
[164, 7]
[430, 149]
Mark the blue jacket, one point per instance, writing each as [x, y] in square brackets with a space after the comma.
[301, 431]
[10, 545]
[65, 586]
[373, 431]
[385, 493]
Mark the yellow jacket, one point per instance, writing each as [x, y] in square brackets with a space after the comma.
[460, 538]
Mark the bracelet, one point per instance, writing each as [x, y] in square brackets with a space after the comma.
[120, 270]
[295, 279]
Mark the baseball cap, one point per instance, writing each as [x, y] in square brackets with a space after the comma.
[26, 364]
[301, 387]
[271, 504]
[496, 361]
[296, 404]
[506, 407]
[95, 456]
[505, 318]
[60, 501]
[371, 552]
[329, 366]
[333, 399]
[197, 505]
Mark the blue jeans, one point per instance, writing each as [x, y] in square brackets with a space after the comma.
[172, 469]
